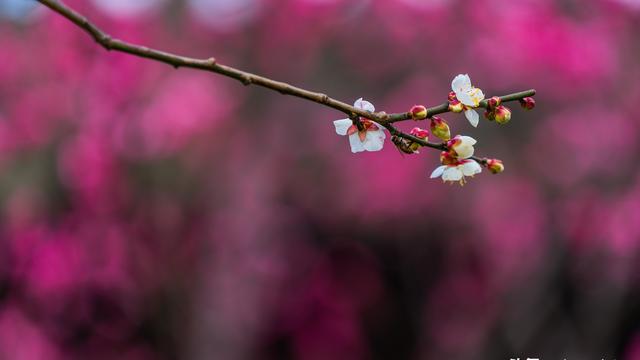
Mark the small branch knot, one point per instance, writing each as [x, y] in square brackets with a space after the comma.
[105, 41]
[246, 80]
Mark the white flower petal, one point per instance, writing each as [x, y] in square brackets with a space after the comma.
[452, 173]
[472, 116]
[461, 83]
[466, 98]
[364, 105]
[342, 126]
[467, 140]
[356, 144]
[374, 140]
[471, 168]
[438, 171]
[465, 148]
[464, 152]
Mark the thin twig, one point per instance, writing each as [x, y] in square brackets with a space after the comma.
[393, 131]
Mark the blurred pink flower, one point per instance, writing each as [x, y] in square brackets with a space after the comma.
[22, 339]
[185, 107]
[582, 142]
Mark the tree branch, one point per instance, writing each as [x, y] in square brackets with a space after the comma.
[393, 131]
[444, 107]
[247, 78]
[244, 77]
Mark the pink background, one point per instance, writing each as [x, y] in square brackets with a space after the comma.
[153, 213]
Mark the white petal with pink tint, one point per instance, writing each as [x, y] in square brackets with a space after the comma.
[438, 171]
[472, 116]
[470, 168]
[452, 173]
[374, 140]
[461, 83]
[342, 126]
[356, 145]
[364, 105]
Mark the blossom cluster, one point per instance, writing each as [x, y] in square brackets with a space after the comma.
[457, 160]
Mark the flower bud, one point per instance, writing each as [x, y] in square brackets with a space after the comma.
[502, 114]
[440, 128]
[418, 112]
[528, 103]
[495, 166]
[419, 133]
[455, 106]
[490, 115]
[493, 102]
[452, 96]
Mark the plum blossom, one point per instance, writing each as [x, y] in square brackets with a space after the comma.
[371, 138]
[469, 96]
[455, 162]
[457, 171]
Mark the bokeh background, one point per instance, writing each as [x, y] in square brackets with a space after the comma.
[153, 213]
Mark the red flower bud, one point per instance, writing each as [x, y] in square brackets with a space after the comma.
[456, 106]
[419, 133]
[452, 96]
[528, 103]
[502, 114]
[495, 166]
[493, 102]
[418, 112]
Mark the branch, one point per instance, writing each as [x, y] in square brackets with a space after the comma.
[247, 78]
[444, 107]
[244, 77]
[393, 131]
[209, 64]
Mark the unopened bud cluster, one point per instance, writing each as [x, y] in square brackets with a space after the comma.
[496, 112]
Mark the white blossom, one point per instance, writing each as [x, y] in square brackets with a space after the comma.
[469, 96]
[457, 171]
[371, 138]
